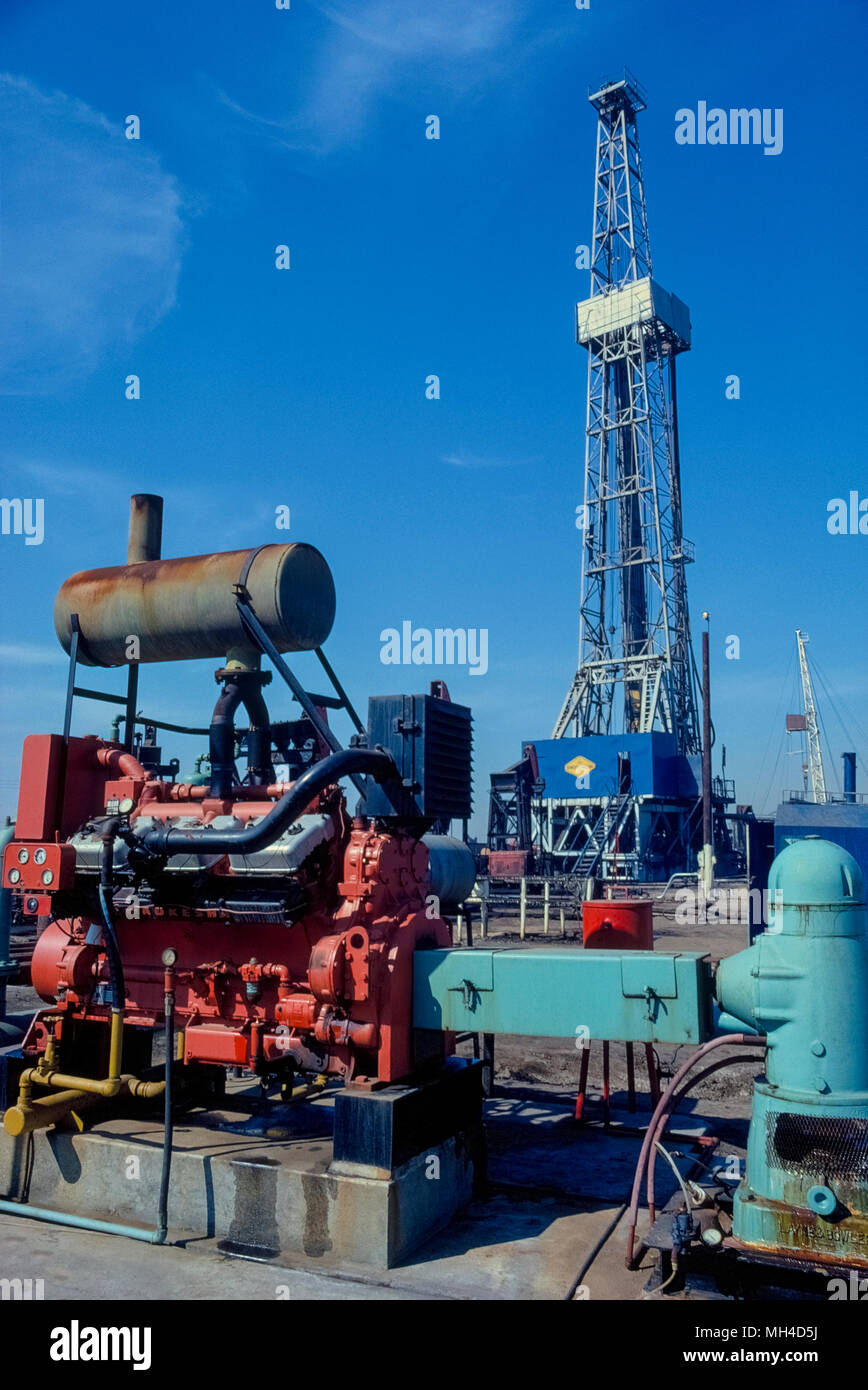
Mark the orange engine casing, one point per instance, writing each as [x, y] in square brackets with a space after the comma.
[331, 992]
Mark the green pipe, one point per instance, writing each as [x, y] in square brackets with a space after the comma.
[84, 1223]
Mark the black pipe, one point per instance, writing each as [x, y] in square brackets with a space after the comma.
[259, 764]
[118, 985]
[221, 740]
[115, 964]
[131, 700]
[244, 689]
[168, 1125]
[167, 840]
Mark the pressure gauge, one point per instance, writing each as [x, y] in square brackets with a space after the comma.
[126, 806]
[23, 856]
[39, 856]
[14, 875]
[47, 877]
[712, 1236]
[169, 957]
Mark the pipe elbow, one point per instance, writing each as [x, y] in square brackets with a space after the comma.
[117, 760]
[142, 1090]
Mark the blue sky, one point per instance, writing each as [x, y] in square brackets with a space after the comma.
[410, 256]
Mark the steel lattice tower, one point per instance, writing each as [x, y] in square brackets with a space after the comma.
[634, 633]
[812, 723]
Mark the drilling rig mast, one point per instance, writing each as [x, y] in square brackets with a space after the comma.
[634, 632]
[619, 776]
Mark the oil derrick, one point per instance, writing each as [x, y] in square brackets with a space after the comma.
[635, 670]
[621, 769]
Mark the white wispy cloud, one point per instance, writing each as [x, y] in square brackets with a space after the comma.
[91, 238]
[28, 654]
[60, 477]
[463, 459]
[380, 49]
[416, 27]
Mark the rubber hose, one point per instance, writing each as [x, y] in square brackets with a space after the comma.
[169, 841]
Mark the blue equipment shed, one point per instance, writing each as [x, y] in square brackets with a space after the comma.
[844, 823]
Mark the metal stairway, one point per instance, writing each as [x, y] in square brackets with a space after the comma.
[607, 825]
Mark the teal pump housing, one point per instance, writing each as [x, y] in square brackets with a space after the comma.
[804, 984]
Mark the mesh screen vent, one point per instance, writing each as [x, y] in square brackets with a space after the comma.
[818, 1145]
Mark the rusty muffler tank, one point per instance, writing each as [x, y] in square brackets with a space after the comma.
[185, 609]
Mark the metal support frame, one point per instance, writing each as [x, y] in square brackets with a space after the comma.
[75, 634]
[263, 643]
[510, 807]
[586, 838]
[132, 696]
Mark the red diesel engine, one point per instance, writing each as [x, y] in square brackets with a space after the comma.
[248, 912]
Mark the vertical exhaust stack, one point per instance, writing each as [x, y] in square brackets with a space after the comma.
[849, 776]
[144, 543]
[706, 869]
[146, 528]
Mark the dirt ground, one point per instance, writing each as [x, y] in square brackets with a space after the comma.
[554, 1062]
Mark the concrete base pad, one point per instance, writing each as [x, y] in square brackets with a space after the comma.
[259, 1187]
[556, 1190]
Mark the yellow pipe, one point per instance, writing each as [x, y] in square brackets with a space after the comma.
[106, 1089]
[42, 1075]
[75, 1092]
[309, 1088]
[39, 1114]
[46, 1061]
[126, 1085]
[29, 1114]
[142, 1090]
[116, 1044]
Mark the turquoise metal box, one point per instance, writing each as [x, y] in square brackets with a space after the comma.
[641, 996]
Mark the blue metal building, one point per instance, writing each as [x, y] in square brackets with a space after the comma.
[844, 823]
